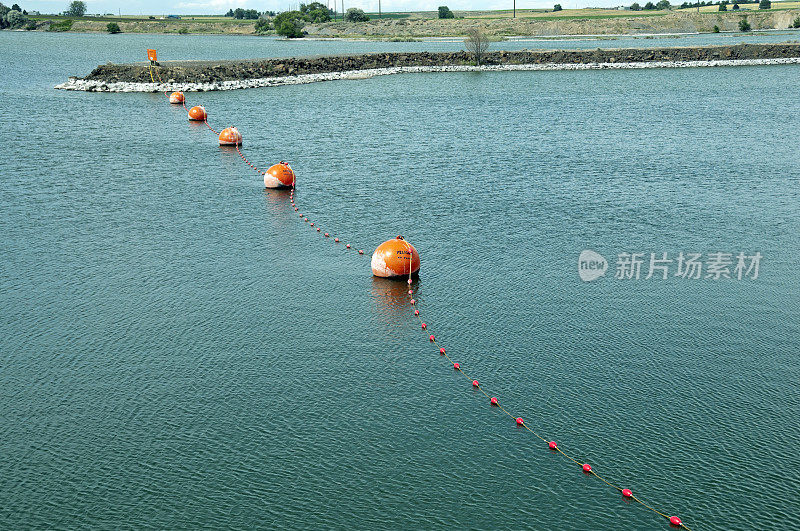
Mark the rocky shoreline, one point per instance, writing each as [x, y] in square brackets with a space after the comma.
[231, 75]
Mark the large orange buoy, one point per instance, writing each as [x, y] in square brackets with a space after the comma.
[279, 175]
[230, 136]
[197, 114]
[394, 259]
[176, 97]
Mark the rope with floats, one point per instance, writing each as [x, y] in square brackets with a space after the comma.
[235, 141]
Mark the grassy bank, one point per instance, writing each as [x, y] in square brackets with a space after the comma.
[408, 26]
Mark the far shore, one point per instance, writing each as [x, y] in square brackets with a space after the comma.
[400, 27]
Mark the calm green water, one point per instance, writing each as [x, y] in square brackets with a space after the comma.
[177, 350]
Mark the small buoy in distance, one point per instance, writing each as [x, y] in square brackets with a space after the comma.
[177, 97]
[520, 422]
[432, 338]
[413, 301]
[416, 312]
[674, 520]
[198, 114]
[395, 258]
[456, 366]
[347, 246]
[279, 175]
[230, 136]
[360, 251]
[424, 326]
[552, 445]
[442, 351]
[493, 401]
[627, 493]
[336, 240]
[587, 468]
[474, 383]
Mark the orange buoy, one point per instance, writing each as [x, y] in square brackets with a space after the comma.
[230, 136]
[395, 258]
[198, 114]
[279, 175]
[176, 97]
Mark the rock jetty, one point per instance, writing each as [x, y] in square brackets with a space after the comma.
[229, 75]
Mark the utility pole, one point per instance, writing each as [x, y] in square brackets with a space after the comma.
[515, 9]
[379, 9]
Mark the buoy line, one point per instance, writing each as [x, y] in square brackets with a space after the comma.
[389, 261]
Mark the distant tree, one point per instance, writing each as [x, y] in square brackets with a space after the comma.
[685, 5]
[290, 24]
[263, 25]
[744, 26]
[238, 14]
[229, 13]
[477, 44]
[663, 4]
[16, 7]
[444, 12]
[556, 7]
[735, 7]
[765, 4]
[15, 19]
[76, 9]
[355, 14]
[636, 7]
[31, 25]
[3, 12]
[796, 23]
[716, 29]
[316, 12]
[183, 31]
[649, 6]
[723, 7]
[113, 27]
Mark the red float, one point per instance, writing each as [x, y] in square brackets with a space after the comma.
[432, 338]
[493, 401]
[441, 351]
[474, 383]
[416, 312]
[674, 520]
[587, 468]
[520, 422]
[413, 301]
[424, 326]
[456, 366]
[552, 445]
[627, 493]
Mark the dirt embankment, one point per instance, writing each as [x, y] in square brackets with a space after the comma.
[211, 71]
[676, 22]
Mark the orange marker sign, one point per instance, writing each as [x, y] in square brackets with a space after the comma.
[151, 54]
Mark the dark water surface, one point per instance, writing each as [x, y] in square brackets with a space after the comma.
[178, 350]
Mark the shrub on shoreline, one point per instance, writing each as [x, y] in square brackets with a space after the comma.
[744, 26]
[112, 28]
